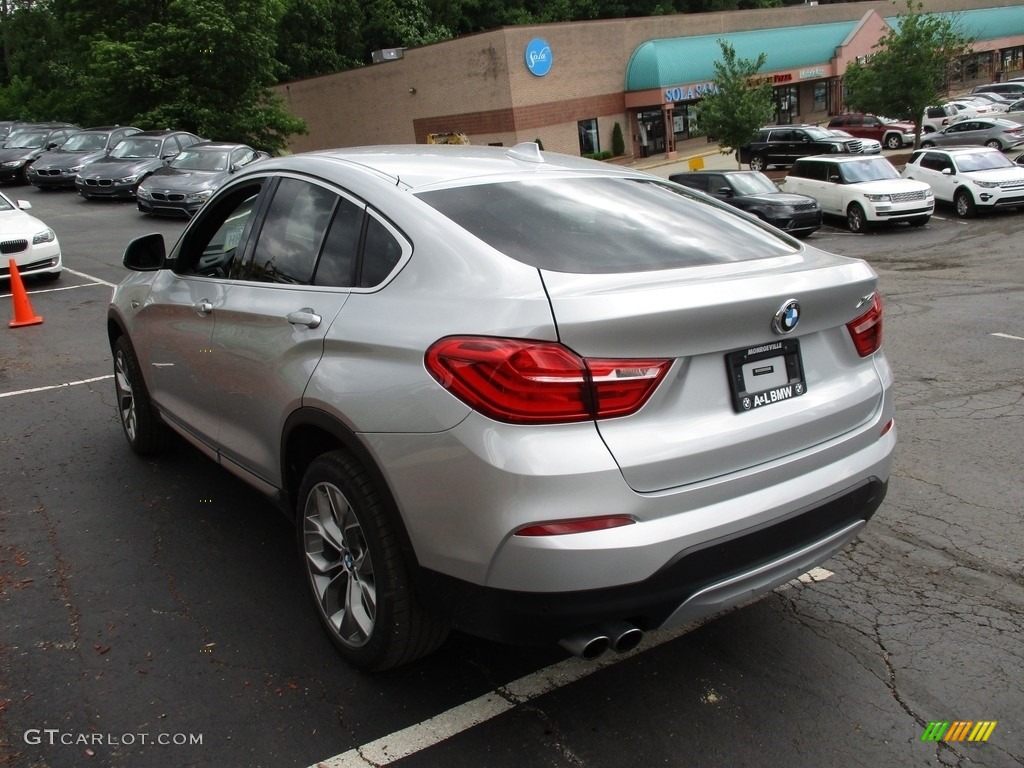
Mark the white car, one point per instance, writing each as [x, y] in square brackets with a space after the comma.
[971, 178]
[868, 146]
[993, 101]
[865, 190]
[935, 118]
[27, 240]
[970, 109]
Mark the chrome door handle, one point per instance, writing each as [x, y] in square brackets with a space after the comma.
[305, 316]
[204, 306]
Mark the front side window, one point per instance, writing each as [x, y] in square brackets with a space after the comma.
[210, 246]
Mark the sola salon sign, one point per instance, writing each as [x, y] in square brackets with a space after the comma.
[538, 57]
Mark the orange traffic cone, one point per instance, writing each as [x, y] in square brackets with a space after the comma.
[23, 314]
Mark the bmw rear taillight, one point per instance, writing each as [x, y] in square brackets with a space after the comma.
[866, 330]
[538, 382]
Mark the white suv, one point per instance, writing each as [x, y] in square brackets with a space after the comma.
[936, 118]
[866, 190]
[969, 177]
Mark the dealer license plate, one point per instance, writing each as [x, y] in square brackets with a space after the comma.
[765, 374]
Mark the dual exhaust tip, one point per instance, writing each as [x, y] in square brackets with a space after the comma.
[589, 644]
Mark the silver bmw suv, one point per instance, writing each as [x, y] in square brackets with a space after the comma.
[530, 396]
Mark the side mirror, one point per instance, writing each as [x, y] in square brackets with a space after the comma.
[724, 192]
[146, 253]
[947, 171]
[835, 179]
[24, 205]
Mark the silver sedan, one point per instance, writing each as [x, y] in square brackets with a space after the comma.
[980, 131]
[534, 397]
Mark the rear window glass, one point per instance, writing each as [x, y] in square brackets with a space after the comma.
[603, 225]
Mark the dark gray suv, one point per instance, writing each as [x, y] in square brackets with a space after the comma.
[755, 193]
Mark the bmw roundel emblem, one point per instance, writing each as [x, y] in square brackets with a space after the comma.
[787, 317]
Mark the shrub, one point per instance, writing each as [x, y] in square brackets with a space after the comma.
[618, 143]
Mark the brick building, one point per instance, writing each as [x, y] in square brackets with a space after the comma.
[569, 84]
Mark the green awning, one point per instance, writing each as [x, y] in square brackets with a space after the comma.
[676, 60]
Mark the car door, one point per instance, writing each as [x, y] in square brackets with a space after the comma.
[937, 171]
[791, 145]
[964, 132]
[831, 195]
[270, 326]
[178, 320]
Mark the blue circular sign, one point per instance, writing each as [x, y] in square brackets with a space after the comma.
[538, 57]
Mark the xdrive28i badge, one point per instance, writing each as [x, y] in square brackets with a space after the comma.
[787, 317]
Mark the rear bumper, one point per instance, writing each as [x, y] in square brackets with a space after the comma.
[698, 582]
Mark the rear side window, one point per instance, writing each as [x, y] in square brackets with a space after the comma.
[604, 225]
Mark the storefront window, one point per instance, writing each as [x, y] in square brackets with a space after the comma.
[821, 97]
[684, 121]
[787, 104]
[651, 133]
[590, 142]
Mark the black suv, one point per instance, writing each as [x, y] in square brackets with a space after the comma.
[783, 144]
[755, 193]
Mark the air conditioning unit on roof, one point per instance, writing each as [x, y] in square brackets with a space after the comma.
[387, 54]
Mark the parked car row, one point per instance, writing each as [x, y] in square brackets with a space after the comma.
[868, 191]
[171, 173]
[168, 172]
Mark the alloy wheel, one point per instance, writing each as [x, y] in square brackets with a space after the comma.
[339, 565]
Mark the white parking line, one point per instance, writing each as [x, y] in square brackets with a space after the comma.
[57, 386]
[90, 277]
[420, 736]
[95, 281]
[1008, 336]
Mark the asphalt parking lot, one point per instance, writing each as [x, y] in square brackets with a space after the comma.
[152, 612]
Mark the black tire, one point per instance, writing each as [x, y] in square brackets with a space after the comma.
[894, 141]
[757, 163]
[856, 219]
[145, 432]
[927, 144]
[351, 554]
[963, 204]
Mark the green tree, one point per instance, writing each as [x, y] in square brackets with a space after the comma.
[399, 24]
[198, 65]
[618, 142]
[910, 67]
[741, 103]
[316, 37]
